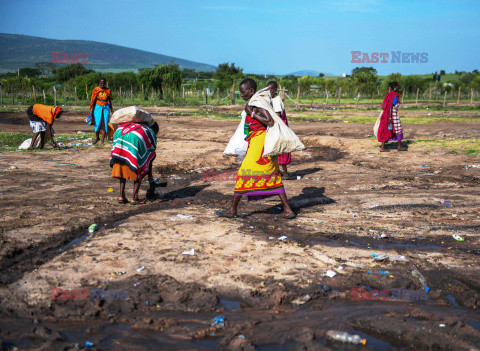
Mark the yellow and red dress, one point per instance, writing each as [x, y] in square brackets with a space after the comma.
[258, 176]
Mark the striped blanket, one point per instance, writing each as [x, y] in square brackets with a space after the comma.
[134, 145]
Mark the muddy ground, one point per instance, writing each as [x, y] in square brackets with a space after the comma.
[272, 294]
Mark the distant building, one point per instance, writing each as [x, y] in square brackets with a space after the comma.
[344, 75]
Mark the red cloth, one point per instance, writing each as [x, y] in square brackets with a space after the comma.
[284, 159]
[254, 125]
[385, 134]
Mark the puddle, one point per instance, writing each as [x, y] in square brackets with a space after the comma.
[474, 324]
[207, 343]
[451, 299]
[373, 343]
[73, 242]
[230, 305]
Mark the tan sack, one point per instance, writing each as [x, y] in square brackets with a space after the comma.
[280, 139]
[131, 114]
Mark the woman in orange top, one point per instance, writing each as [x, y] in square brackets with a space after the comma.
[101, 108]
[41, 119]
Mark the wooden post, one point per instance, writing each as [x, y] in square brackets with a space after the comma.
[218, 96]
[76, 99]
[326, 102]
[13, 100]
[163, 94]
[34, 94]
[152, 98]
[1, 95]
[23, 93]
[298, 94]
[233, 92]
[313, 94]
[65, 94]
[55, 95]
[206, 96]
[471, 97]
[173, 96]
[86, 91]
[416, 99]
[429, 95]
[373, 95]
[403, 95]
[444, 98]
[121, 97]
[339, 96]
[458, 98]
[143, 96]
[44, 97]
[358, 98]
[131, 93]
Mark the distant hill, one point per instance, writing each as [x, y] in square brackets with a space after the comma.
[17, 51]
[310, 73]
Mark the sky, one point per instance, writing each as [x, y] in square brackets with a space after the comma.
[268, 37]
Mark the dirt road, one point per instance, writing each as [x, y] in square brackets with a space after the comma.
[271, 293]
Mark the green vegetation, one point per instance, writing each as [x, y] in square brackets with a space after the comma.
[460, 146]
[11, 141]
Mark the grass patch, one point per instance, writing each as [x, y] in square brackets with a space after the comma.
[11, 141]
[460, 146]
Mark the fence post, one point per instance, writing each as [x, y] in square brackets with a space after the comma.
[403, 95]
[143, 96]
[183, 93]
[339, 96]
[298, 95]
[233, 92]
[218, 96]
[471, 97]
[313, 94]
[373, 95]
[356, 103]
[65, 94]
[152, 97]
[55, 96]
[76, 100]
[206, 96]
[23, 93]
[326, 102]
[121, 97]
[13, 100]
[429, 95]
[444, 98]
[173, 96]
[416, 99]
[86, 92]
[458, 98]
[131, 93]
[34, 94]
[1, 95]
[44, 97]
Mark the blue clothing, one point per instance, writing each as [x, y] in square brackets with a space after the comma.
[101, 114]
[395, 101]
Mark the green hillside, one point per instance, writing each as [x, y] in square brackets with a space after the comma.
[17, 51]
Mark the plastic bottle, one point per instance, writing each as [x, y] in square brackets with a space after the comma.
[421, 278]
[92, 228]
[458, 237]
[343, 337]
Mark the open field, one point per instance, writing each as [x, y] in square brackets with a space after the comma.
[272, 294]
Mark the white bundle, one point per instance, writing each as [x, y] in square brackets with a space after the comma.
[131, 114]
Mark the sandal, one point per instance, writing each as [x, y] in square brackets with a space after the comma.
[138, 202]
[122, 200]
[383, 150]
[291, 215]
[224, 214]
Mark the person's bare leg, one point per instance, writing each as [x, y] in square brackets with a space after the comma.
[42, 139]
[382, 148]
[232, 211]
[136, 187]
[123, 181]
[400, 148]
[34, 138]
[97, 138]
[285, 171]
[286, 207]
[103, 136]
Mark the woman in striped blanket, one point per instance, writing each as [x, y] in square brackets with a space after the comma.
[133, 152]
[390, 128]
